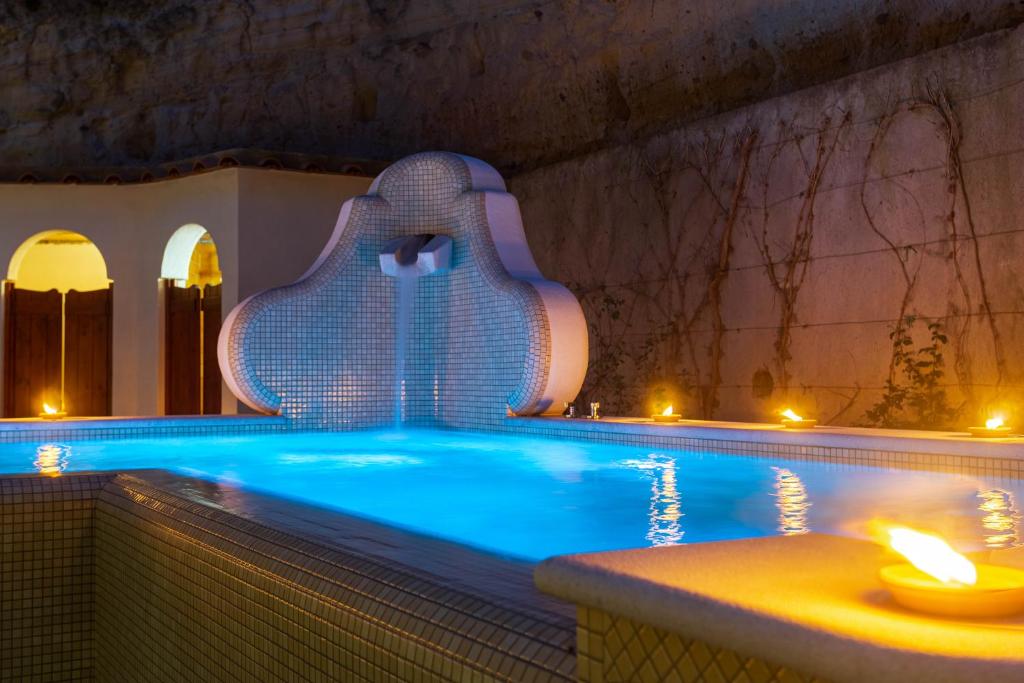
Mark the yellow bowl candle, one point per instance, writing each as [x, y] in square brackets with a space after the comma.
[939, 580]
[996, 592]
[790, 420]
[667, 416]
[995, 427]
[51, 413]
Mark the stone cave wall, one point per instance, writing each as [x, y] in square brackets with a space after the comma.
[774, 254]
[519, 83]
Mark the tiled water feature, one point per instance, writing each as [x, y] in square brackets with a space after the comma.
[488, 336]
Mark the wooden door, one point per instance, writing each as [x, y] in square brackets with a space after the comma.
[32, 350]
[88, 352]
[211, 368]
[181, 350]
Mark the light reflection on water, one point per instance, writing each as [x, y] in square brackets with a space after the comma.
[531, 497]
[792, 501]
[52, 459]
[1001, 518]
[665, 509]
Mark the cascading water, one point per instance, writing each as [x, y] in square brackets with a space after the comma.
[407, 259]
[405, 281]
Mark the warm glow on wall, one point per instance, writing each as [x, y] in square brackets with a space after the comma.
[58, 259]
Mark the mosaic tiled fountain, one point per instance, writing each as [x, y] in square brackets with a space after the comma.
[488, 335]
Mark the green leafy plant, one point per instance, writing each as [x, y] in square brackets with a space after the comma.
[915, 397]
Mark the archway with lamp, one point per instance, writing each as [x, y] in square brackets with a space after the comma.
[58, 328]
[190, 295]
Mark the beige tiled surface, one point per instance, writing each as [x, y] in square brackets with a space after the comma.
[185, 591]
[811, 601]
[615, 649]
[46, 577]
[196, 589]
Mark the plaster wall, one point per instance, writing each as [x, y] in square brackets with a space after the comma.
[286, 218]
[131, 225]
[763, 257]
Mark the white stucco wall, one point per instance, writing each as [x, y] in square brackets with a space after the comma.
[291, 217]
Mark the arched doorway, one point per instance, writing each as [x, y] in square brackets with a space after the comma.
[190, 284]
[58, 327]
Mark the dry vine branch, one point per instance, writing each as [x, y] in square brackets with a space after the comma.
[940, 103]
[909, 278]
[787, 281]
[709, 399]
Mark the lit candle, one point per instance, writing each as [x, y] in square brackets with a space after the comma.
[667, 416]
[939, 580]
[791, 420]
[51, 413]
[995, 426]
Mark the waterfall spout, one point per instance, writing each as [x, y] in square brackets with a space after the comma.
[407, 259]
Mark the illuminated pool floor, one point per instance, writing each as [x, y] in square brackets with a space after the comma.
[532, 498]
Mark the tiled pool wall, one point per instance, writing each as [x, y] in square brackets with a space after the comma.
[322, 351]
[47, 577]
[994, 459]
[616, 648]
[20, 431]
[109, 578]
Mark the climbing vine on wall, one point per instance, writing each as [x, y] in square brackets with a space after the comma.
[787, 258]
[915, 397]
[765, 260]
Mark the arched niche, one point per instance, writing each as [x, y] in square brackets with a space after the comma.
[58, 327]
[58, 259]
[190, 295]
[190, 258]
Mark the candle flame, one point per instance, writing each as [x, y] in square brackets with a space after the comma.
[48, 409]
[790, 415]
[667, 411]
[933, 556]
[994, 422]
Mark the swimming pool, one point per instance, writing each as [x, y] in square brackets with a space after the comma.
[532, 498]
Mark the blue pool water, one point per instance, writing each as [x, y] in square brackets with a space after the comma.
[533, 498]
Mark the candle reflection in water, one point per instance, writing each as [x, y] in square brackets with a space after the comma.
[665, 511]
[791, 501]
[1000, 518]
[52, 459]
